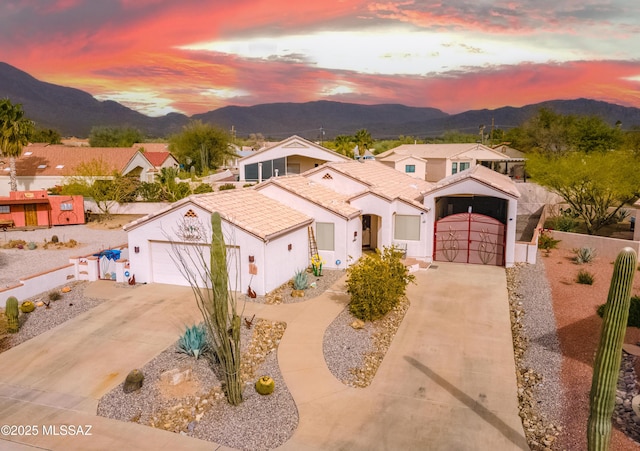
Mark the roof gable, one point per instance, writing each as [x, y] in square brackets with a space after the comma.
[295, 145]
[483, 175]
[247, 209]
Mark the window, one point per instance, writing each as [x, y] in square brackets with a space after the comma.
[5, 209]
[407, 227]
[325, 236]
[409, 168]
[66, 206]
[454, 168]
[464, 166]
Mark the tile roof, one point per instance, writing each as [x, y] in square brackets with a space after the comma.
[248, 209]
[315, 193]
[383, 180]
[156, 158]
[483, 175]
[43, 159]
[427, 151]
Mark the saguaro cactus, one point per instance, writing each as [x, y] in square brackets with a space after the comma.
[11, 311]
[609, 354]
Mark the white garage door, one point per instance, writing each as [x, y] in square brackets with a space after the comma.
[166, 269]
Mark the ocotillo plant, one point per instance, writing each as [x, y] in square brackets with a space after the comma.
[223, 325]
[11, 312]
[208, 276]
[609, 355]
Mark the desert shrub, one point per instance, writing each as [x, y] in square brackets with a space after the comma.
[634, 312]
[300, 280]
[546, 241]
[248, 185]
[585, 277]
[54, 295]
[3, 324]
[203, 188]
[226, 186]
[377, 283]
[193, 341]
[584, 255]
[563, 223]
[151, 192]
[15, 244]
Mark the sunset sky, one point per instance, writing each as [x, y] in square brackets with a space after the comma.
[192, 56]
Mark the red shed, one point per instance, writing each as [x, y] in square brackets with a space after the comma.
[38, 209]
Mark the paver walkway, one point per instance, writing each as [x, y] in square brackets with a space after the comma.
[447, 382]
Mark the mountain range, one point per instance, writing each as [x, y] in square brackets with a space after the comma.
[74, 112]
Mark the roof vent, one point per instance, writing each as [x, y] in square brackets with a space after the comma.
[327, 176]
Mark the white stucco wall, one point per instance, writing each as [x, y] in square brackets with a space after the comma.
[344, 244]
[33, 183]
[469, 187]
[274, 262]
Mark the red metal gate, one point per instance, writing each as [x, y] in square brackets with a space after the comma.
[469, 238]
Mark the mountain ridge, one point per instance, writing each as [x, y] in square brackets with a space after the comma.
[72, 111]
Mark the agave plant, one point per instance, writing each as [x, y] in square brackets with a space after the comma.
[300, 281]
[584, 255]
[194, 341]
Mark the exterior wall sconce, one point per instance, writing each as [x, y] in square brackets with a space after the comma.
[136, 249]
[251, 259]
[289, 246]
[355, 235]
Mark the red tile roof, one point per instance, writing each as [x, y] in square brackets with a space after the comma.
[42, 159]
[156, 158]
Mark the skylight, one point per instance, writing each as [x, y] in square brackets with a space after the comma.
[28, 153]
[42, 166]
[60, 166]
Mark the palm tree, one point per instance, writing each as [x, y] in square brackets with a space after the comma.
[364, 141]
[344, 145]
[15, 130]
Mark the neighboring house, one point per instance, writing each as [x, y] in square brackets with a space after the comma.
[294, 155]
[43, 166]
[240, 152]
[442, 160]
[38, 209]
[158, 156]
[267, 241]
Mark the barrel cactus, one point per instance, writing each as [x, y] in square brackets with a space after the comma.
[27, 307]
[265, 385]
[609, 355]
[11, 312]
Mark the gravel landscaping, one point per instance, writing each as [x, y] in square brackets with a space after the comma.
[19, 263]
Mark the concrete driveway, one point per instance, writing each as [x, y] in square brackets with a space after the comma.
[447, 382]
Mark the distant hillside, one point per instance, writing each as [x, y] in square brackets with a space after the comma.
[74, 112]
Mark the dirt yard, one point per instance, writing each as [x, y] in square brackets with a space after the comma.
[579, 332]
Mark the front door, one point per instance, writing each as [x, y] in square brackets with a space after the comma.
[30, 215]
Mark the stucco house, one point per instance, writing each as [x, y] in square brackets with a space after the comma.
[294, 155]
[38, 209]
[43, 166]
[267, 241]
[436, 161]
[348, 206]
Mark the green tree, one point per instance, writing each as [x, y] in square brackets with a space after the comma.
[631, 140]
[15, 129]
[363, 140]
[101, 136]
[343, 144]
[172, 190]
[201, 145]
[592, 134]
[45, 135]
[95, 179]
[596, 185]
